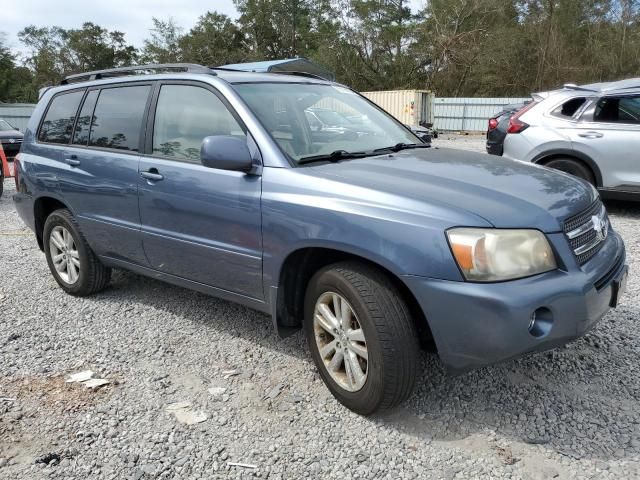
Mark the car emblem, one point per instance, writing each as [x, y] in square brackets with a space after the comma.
[601, 226]
[12, 140]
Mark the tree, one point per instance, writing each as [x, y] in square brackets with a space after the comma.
[164, 44]
[55, 52]
[16, 82]
[214, 40]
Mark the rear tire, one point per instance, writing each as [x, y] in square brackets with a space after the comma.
[379, 325]
[73, 264]
[573, 167]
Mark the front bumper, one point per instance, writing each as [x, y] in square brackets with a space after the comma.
[476, 324]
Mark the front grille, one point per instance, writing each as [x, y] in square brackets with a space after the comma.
[586, 231]
[6, 141]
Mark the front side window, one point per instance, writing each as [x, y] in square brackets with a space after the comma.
[58, 122]
[117, 118]
[318, 119]
[618, 110]
[185, 115]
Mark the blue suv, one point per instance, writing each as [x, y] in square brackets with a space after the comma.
[370, 242]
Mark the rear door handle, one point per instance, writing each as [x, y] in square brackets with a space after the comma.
[591, 135]
[152, 174]
[71, 159]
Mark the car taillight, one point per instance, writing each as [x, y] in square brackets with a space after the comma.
[493, 123]
[515, 124]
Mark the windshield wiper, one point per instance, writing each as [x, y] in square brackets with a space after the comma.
[402, 146]
[332, 157]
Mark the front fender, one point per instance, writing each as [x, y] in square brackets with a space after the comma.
[402, 240]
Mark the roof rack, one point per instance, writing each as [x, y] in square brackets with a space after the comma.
[573, 86]
[136, 70]
[299, 74]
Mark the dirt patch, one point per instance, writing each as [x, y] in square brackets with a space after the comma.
[51, 393]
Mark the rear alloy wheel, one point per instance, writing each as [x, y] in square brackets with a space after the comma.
[64, 254]
[361, 336]
[572, 167]
[73, 264]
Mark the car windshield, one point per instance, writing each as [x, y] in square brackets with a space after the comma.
[289, 111]
[4, 125]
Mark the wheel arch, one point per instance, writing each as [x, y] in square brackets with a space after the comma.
[43, 207]
[549, 155]
[296, 272]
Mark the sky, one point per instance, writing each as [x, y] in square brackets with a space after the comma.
[133, 17]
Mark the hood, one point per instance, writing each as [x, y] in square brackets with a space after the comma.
[10, 134]
[506, 193]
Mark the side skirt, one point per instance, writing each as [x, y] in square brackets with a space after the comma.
[250, 302]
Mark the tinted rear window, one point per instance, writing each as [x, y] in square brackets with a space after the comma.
[117, 119]
[569, 108]
[58, 122]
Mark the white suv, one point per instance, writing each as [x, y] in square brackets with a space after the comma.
[590, 131]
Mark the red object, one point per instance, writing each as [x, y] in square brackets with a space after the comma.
[515, 124]
[493, 123]
[6, 171]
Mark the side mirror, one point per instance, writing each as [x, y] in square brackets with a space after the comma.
[226, 153]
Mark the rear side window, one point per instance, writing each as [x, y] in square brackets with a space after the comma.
[117, 118]
[618, 110]
[58, 122]
[83, 125]
[185, 115]
[569, 108]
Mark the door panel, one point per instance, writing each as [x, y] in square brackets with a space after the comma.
[203, 224]
[613, 145]
[199, 223]
[102, 189]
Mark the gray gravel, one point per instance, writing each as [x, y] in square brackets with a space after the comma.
[569, 413]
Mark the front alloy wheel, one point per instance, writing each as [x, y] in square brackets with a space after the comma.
[361, 336]
[341, 342]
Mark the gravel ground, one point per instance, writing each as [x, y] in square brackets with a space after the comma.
[569, 413]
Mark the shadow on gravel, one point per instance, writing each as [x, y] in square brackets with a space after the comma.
[626, 208]
[129, 289]
[581, 400]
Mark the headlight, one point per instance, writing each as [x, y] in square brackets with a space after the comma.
[491, 255]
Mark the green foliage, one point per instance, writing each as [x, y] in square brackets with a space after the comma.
[214, 40]
[454, 47]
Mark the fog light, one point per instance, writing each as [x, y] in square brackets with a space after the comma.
[541, 322]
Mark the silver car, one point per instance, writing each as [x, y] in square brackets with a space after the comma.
[590, 131]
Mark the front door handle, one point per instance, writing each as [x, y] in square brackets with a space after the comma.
[72, 159]
[591, 135]
[152, 174]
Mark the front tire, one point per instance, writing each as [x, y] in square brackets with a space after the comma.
[361, 337]
[73, 264]
[572, 167]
